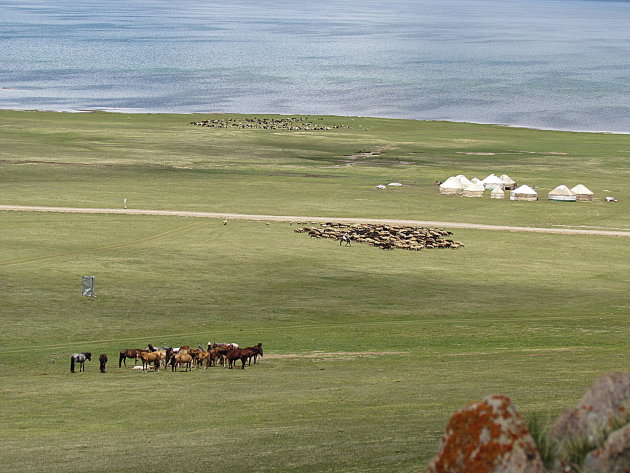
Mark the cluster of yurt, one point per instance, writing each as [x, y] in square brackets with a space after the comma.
[563, 194]
[497, 185]
[461, 185]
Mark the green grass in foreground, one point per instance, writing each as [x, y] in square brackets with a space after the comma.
[367, 352]
[162, 162]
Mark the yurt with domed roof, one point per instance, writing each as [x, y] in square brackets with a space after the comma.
[473, 190]
[561, 194]
[492, 181]
[452, 186]
[524, 192]
[497, 193]
[582, 193]
[508, 183]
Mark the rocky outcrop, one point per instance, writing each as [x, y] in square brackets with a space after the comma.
[604, 408]
[488, 436]
[613, 456]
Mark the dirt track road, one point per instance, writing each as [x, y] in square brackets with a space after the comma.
[302, 219]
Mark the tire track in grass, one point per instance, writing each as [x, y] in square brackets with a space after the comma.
[298, 219]
[175, 231]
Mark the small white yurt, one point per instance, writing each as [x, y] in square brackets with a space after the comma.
[523, 192]
[582, 193]
[508, 183]
[452, 186]
[395, 184]
[492, 181]
[561, 194]
[473, 190]
[463, 179]
[497, 193]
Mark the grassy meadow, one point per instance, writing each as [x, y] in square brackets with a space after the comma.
[367, 352]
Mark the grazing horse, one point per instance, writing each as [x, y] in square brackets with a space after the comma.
[103, 361]
[181, 359]
[79, 358]
[129, 353]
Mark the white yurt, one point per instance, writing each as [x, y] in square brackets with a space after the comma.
[523, 192]
[452, 186]
[582, 193]
[508, 183]
[395, 184]
[497, 193]
[463, 179]
[492, 181]
[473, 190]
[561, 194]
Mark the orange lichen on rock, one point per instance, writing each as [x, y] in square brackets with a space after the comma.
[485, 437]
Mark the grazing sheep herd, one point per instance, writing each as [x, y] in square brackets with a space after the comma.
[385, 237]
[292, 123]
[152, 358]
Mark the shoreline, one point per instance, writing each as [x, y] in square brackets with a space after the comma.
[145, 112]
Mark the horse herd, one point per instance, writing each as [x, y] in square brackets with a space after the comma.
[226, 354]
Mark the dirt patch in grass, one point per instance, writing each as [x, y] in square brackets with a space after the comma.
[476, 154]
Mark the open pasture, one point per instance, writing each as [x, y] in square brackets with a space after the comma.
[367, 352]
[163, 162]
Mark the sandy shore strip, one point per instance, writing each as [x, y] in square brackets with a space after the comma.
[305, 219]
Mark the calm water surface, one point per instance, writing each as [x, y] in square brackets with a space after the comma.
[560, 64]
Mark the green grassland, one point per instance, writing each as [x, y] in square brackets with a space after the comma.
[162, 162]
[367, 352]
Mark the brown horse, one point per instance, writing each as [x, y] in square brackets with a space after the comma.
[233, 356]
[254, 352]
[152, 357]
[103, 361]
[129, 353]
[201, 358]
[213, 354]
[181, 359]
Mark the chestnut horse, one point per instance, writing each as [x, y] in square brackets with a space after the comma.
[233, 356]
[254, 352]
[129, 353]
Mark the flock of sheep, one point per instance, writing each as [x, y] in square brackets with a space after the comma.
[292, 123]
[385, 237]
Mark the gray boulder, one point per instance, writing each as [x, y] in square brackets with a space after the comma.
[585, 428]
[613, 456]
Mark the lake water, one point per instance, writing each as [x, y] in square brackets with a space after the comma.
[559, 64]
